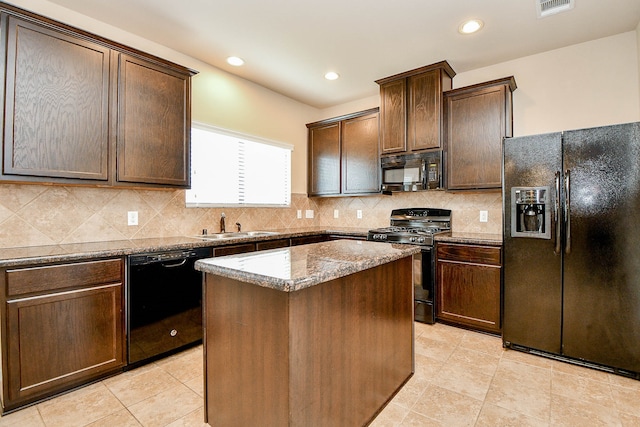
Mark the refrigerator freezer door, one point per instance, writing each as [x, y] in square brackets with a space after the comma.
[602, 271]
[532, 272]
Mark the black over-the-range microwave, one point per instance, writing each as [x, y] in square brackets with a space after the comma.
[412, 172]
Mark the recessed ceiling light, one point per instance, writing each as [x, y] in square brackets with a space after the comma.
[331, 75]
[235, 61]
[470, 26]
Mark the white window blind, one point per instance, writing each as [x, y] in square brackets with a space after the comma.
[229, 168]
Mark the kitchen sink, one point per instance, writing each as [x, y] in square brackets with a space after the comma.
[233, 235]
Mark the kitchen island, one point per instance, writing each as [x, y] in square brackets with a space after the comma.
[319, 334]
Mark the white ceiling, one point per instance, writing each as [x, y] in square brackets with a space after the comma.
[288, 45]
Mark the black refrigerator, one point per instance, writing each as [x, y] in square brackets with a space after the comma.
[572, 246]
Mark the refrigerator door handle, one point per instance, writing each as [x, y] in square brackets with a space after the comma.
[556, 211]
[567, 211]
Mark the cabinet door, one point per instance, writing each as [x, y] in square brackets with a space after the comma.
[360, 161]
[154, 122]
[468, 286]
[393, 116]
[59, 340]
[324, 160]
[425, 111]
[56, 104]
[476, 123]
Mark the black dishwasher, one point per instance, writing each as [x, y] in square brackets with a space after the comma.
[164, 303]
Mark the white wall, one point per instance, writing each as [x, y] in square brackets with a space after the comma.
[638, 46]
[227, 101]
[584, 85]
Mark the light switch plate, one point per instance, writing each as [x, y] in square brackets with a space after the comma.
[308, 213]
[299, 213]
[132, 218]
[336, 213]
[484, 216]
[359, 214]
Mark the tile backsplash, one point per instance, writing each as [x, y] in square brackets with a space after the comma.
[32, 215]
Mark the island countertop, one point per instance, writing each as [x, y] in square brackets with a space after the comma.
[293, 268]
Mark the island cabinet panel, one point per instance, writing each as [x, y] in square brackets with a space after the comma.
[478, 118]
[154, 123]
[468, 285]
[54, 82]
[63, 336]
[329, 355]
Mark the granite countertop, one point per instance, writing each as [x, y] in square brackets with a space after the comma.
[10, 257]
[293, 268]
[470, 238]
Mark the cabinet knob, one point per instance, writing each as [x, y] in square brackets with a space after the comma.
[173, 333]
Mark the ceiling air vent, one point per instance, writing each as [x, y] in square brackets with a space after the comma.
[551, 7]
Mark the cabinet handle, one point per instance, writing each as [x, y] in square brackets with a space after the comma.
[567, 211]
[556, 211]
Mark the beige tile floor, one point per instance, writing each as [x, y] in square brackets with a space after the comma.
[462, 378]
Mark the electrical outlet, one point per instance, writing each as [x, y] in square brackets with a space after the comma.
[336, 213]
[308, 213]
[299, 213]
[132, 218]
[359, 214]
[484, 216]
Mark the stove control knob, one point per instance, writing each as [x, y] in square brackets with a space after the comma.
[412, 239]
[420, 239]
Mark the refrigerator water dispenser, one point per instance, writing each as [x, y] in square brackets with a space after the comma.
[530, 212]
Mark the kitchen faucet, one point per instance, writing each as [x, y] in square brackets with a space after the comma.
[222, 224]
[239, 226]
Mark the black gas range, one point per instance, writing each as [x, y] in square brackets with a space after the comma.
[417, 226]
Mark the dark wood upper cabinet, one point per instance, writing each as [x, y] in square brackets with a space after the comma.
[324, 160]
[360, 167]
[343, 155]
[80, 109]
[411, 108]
[478, 117]
[56, 85]
[393, 116]
[154, 123]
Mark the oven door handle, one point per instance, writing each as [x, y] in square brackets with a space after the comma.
[179, 264]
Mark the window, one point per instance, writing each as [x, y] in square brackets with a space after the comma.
[229, 168]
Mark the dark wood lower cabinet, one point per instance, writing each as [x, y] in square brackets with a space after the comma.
[58, 339]
[468, 279]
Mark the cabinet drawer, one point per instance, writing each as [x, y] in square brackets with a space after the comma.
[55, 277]
[234, 249]
[272, 244]
[471, 254]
